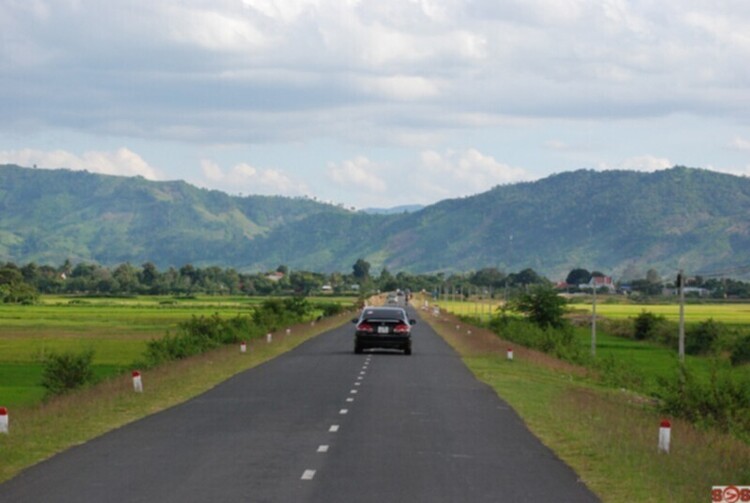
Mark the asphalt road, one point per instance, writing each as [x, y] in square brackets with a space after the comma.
[319, 424]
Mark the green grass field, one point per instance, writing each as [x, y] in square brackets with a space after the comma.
[117, 329]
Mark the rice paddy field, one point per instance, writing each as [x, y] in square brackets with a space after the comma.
[644, 363]
[116, 329]
[730, 313]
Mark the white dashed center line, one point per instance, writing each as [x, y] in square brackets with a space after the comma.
[308, 475]
[323, 448]
[334, 428]
[344, 411]
[353, 392]
[350, 399]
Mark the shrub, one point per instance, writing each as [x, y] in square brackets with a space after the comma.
[722, 400]
[64, 372]
[198, 335]
[740, 351]
[645, 325]
[329, 308]
[701, 338]
[203, 333]
[560, 342]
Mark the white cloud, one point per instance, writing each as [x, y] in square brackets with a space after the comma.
[359, 173]
[243, 177]
[122, 161]
[646, 163]
[400, 87]
[461, 173]
[216, 31]
[740, 143]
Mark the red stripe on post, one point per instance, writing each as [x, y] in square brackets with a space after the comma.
[3, 411]
[136, 373]
[666, 424]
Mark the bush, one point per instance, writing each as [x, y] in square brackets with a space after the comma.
[198, 335]
[203, 333]
[329, 308]
[740, 351]
[645, 326]
[722, 401]
[64, 372]
[701, 338]
[560, 342]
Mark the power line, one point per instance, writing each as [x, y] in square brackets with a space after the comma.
[735, 271]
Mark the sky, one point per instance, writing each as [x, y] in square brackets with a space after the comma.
[373, 103]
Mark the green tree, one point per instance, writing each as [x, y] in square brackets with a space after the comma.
[361, 270]
[578, 277]
[543, 306]
[149, 274]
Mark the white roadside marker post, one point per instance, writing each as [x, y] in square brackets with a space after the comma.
[288, 331]
[510, 353]
[269, 337]
[243, 347]
[137, 382]
[4, 420]
[665, 432]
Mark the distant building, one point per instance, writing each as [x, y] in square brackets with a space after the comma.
[599, 282]
[275, 276]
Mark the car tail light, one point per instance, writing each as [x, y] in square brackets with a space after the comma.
[401, 328]
[364, 327]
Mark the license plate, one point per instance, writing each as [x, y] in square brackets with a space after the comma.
[383, 329]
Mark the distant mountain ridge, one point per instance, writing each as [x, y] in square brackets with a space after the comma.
[619, 222]
[406, 208]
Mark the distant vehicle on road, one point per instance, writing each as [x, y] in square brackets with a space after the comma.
[383, 328]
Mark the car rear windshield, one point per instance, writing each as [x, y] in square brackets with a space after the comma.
[383, 314]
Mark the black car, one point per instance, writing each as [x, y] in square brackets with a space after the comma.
[383, 327]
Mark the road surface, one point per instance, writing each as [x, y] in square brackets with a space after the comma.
[319, 424]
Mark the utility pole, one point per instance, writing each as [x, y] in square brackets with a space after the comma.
[681, 286]
[593, 319]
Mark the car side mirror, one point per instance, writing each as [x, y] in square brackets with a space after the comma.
[354, 320]
[412, 322]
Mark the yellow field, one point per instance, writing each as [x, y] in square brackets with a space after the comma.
[735, 313]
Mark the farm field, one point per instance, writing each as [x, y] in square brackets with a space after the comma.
[116, 329]
[641, 363]
[730, 313]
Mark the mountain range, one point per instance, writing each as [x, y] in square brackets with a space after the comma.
[618, 222]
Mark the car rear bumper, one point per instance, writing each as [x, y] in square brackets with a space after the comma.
[383, 341]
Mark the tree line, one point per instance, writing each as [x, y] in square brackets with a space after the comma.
[22, 284]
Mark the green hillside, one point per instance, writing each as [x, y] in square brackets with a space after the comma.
[620, 222]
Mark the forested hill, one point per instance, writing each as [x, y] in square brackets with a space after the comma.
[48, 215]
[619, 222]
